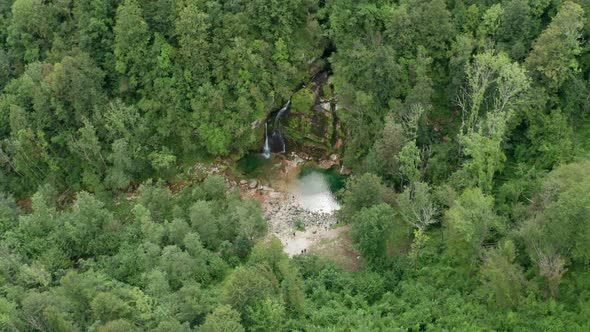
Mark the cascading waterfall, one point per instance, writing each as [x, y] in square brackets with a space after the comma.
[266, 149]
[277, 129]
[277, 134]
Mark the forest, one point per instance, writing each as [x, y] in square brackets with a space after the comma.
[465, 126]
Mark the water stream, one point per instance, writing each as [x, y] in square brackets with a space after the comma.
[276, 142]
[277, 128]
[266, 149]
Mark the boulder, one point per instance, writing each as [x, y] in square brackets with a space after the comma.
[345, 171]
[326, 164]
[252, 184]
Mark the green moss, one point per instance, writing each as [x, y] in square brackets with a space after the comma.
[303, 101]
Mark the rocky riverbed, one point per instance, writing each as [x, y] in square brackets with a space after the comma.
[301, 211]
[297, 227]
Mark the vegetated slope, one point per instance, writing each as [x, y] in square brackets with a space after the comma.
[464, 126]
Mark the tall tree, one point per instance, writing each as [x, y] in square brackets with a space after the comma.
[467, 225]
[502, 277]
[371, 229]
[493, 77]
[132, 38]
[554, 52]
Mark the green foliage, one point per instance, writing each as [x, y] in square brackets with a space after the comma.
[502, 279]
[248, 285]
[370, 231]
[223, 318]
[303, 101]
[416, 207]
[299, 225]
[556, 231]
[475, 111]
[90, 229]
[361, 192]
[467, 225]
[131, 41]
[203, 221]
[9, 212]
[384, 156]
[554, 52]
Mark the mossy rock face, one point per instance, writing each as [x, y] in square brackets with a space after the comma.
[303, 102]
[258, 132]
[312, 133]
[310, 125]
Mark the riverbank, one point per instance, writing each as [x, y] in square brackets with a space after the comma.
[300, 210]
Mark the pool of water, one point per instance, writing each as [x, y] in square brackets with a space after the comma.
[313, 188]
[312, 192]
[334, 179]
[255, 165]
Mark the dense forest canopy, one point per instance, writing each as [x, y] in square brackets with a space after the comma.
[466, 128]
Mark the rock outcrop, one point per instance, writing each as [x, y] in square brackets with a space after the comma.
[312, 125]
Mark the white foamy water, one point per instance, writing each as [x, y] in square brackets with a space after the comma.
[313, 194]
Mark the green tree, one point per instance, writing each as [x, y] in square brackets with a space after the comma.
[192, 30]
[9, 213]
[467, 225]
[46, 312]
[171, 325]
[75, 84]
[223, 318]
[495, 76]
[268, 315]
[271, 253]
[416, 207]
[409, 163]
[106, 306]
[118, 175]
[554, 52]
[214, 187]
[177, 229]
[515, 30]
[90, 229]
[157, 198]
[119, 325]
[502, 278]
[9, 320]
[484, 147]
[205, 223]
[31, 30]
[387, 147]
[491, 74]
[249, 285]
[132, 38]
[371, 228]
[181, 267]
[94, 23]
[192, 303]
[556, 232]
[361, 192]
[248, 216]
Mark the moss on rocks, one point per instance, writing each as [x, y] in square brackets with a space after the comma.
[303, 102]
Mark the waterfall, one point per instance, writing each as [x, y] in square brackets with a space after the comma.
[277, 130]
[276, 142]
[266, 149]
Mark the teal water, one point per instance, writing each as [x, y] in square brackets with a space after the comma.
[254, 165]
[335, 180]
